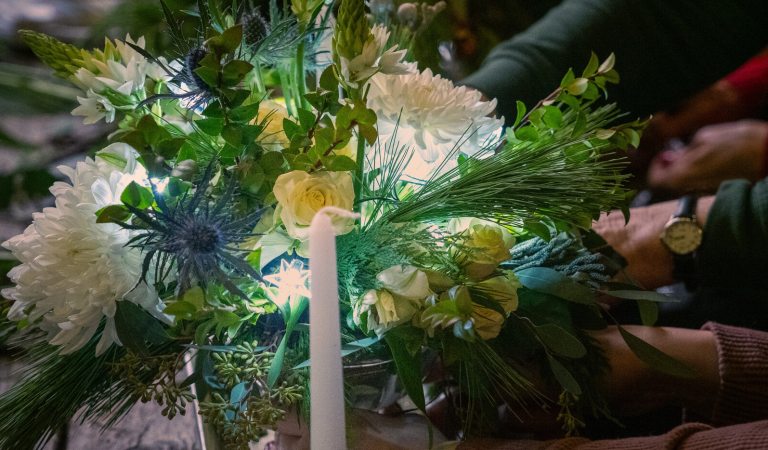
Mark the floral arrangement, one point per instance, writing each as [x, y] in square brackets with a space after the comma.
[186, 239]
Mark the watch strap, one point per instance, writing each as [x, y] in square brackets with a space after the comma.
[686, 207]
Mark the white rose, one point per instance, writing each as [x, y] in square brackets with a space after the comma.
[379, 310]
[405, 281]
[300, 195]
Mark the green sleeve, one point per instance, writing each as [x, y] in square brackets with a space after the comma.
[733, 256]
[665, 49]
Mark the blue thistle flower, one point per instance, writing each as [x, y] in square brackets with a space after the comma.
[196, 236]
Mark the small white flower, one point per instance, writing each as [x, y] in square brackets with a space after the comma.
[432, 116]
[375, 59]
[74, 271]
[94, 107]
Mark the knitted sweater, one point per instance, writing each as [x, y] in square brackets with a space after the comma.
[742, 397]
[665, 49]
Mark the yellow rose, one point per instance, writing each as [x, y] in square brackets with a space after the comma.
[483, 245]
[502, 289]
[272, 138]
[300, 195]
[381, 310]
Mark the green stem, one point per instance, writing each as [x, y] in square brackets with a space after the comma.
[258, 78]
[360, 160]
[277, 362]
[301, 79]
[285, 82]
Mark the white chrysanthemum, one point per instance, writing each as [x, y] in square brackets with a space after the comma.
[375, 59]
[433, 116]
[74, 270]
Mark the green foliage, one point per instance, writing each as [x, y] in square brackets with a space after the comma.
[134, 370]
[552, 282]
[352, 29]
[63, 58]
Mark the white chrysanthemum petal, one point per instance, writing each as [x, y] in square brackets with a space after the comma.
[74, 270]
[434, 116]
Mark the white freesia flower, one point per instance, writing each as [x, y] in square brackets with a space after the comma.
[74, 271]
[405, 281]
[94, 107]
[433, 116]
[375, 59]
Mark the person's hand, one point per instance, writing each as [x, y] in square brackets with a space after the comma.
[649, 262]
[715, 154]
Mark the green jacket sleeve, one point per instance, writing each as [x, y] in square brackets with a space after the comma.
[665, 49]
[733, 257]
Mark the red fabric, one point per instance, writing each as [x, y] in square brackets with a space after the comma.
[764, 172]
[751, 82]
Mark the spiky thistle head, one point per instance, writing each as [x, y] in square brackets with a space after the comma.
[198, 236]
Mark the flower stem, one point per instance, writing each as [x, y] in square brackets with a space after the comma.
[358, 180]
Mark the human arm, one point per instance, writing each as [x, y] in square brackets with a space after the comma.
[665, 51]
[649, 263]
[716, 153]
[734, 377]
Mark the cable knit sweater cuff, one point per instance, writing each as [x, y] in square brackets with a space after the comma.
[743, 360]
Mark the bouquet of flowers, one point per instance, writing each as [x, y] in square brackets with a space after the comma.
[187, 238]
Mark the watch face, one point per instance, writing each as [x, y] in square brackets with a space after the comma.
[682, 236]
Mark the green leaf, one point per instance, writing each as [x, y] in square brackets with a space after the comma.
[180, 309]
[112, 214]
[237, 394]
[328, 79]
[553, 117]
[567, 79]
[578, 86]
[209, 75]
[202, 330]
[244, 113]
[591, 68]
[232, 37]
[558, 340]
[649, 312]
[137, 196]
[527, 133]
[346, 349]
[210, 126]
[655, 358]
[306, 119]
[552, 282]
[408, 367]
[636, 294]
[607, 65]
[234, 72]
[520, 113]
[225, 318]
[233, 135]
[135, 328]
[564, 376]
[369, 133]
[339, 163]
[290, 128]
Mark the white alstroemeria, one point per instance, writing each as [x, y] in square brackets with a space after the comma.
[375, 59]
[432, 116]
[94, 107]
[73, 270]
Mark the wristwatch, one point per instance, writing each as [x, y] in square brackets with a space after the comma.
[682, 236]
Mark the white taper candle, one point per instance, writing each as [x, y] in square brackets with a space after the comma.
[326, 381]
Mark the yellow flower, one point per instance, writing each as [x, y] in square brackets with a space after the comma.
[483, 245]
[273, 137]
[381, 310]
[502, 289]
[301, 195]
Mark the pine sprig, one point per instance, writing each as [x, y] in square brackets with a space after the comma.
[567, 179]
